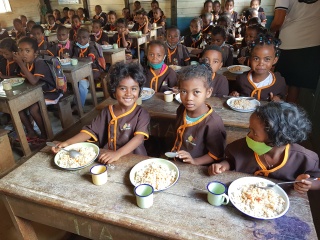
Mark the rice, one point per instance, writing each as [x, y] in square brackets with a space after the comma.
[258, 202]
[87, 155]
[157, 175]
[242, 104]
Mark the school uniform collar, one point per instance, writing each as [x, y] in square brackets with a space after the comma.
[213, 76]
[155, 78]
[140, 27]
[98, 36]
[258, 90]
[41, 43]
[206, 28]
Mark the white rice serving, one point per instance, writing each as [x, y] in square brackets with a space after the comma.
[242, 104]
[157, 175]
[258, 202]
[87, 155]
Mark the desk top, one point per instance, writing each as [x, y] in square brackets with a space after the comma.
[157, 107]
[180, 212]
[18, 90]
[111, 50]
[81, 63]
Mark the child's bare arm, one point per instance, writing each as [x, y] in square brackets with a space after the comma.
[187, 158]
[146, 26]
[217, 168]
[31, 78]
[123, 39]
[234, 94]
[80, 137]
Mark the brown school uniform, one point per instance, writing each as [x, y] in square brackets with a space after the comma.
[53, 27]
[103, 17]
[73, 34]
[180, 53]
[113, 132]
[246, 87]
[207, 30]
[110, 27]
[102, 37]
[189, 41]
[161, 83]
[205, 136]
[59, 50]
[220, 85]
[137, 27]
[297, 160]
[44, 45]
[8, 68]
[18, 35]
[118, 39]
[161, 31]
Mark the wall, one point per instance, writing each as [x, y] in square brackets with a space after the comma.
[21, 7]
[54, 5]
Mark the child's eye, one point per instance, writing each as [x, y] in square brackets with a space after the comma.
[134, 89]
[256, 59]
[268, 59]
[197, 92]
[183, 91]
[122, 88]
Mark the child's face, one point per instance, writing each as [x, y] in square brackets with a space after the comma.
[65, 13]
[30, 25]
[56, 15]
[121, 27]
[156, 54]
[255, 5]
[193, 94]
[137, 5]
[250, 35]
[24, 21]
[217, 40]
[62, 35]
[156, 14]
[37, 34]
[83, 38]
[111, 18]
[76, 22]
[127, 92]
[216, 8]
[80, 12]
[208, 7]
[140, 19]
[96, 27]
[214, 58]
[125, 12]
[6, 53]
[70, 14]
[206, 21]
[195, 27]
[173, 37]
[26, 52]
[18, 26]
[51, 20]
[154, 5]
[262, 59]
[228, 7]
[97, 10]
[256, 127]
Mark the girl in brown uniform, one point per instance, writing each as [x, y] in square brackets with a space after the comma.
[121, 128]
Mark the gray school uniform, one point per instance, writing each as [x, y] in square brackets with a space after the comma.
[220, 85]
[205, 136]
[113, 132]
[161, 83]
[297, 160]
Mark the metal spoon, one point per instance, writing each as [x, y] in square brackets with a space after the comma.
[268, 186]
[171, 154]
[72, 153]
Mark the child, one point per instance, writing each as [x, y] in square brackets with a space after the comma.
[126, 14]
[261, 15]
[97, 34]
[260, 82]
[65, 15]
[270, 148]
[228, 7]
[218, 37]
[18, 31]
[177, 54]
[102, 16]
[76, 25]
[201, 134]
[35, 70]
[37, 32]
[30, 24]
[208, 8]
[52, 25]
[225, 22]
[159, 76]
[154, 5]
[71, 13]
[122, 38]
[111, 24]
[158, 19]
[57, 16]
[64, 47]
[24, 20]
[212, 55]
[80, 13]
[136, 7]
[216, 11]
[195, 39]
[8, 67]
[121, 128]
[207, 27]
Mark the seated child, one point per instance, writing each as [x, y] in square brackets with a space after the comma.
[229, 8]
[97, 34]
[3, 33]
[81, 14]
[225, 22]
[65, 15]
[122, 38]
[212, 55]
[111, 24]
[126, 14]
[195, 39]
[35, 70]
[137, 7]
[30, 24]
[57, 16]
[218, 38]
[260, 82]
[76, 25]
[154, 5]
[201, 136]
[71, 13]
[83, 48]
[37, 32]
[64, 47]
[18, 31]
[24, 20]
[52, 25]
[208, 8]
[102, 16]
[270, 148]
[158, 19]
[177, 54]
[249, 14]
[120, 129]
[256, 5]
[8, 67]
[216, 11]
[159, 76]
[207, 27]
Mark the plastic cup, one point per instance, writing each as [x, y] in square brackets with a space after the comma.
[99, 174]
[6, 85]
[74, 61]
[140, 33]
[168, 96]
[217, 194]
[144, 195]
[115, 46]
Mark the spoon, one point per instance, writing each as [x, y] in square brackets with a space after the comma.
[171, 154]
[268, 186]
[72, 153]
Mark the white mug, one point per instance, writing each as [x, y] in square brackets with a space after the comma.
[144, 195]
[217, 194]
[168, 96]
[154, 25]
[99, 174]
[139, 101]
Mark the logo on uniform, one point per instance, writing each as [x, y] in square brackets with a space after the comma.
[126, 126]
[191, 140]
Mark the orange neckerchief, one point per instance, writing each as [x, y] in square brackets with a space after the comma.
[155, 78]
[39, 44]
[112, 27]
[118, 40]
[82, 51]
[66, 46]
[213, 76]
[256, 89]
[171, 53]
[140, 27]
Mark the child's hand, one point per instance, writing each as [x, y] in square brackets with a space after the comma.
[234, 94]
[17, 58]
[303, 186]
[163, 23]
[56, 149]
[108, 156]
[185, 156]
[216, 168]
[275, 98]
[241, 60]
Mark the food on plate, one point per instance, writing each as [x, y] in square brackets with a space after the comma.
[242, 104]
[146, 93]
[87, 154]
[235, 69]
[175, 67]
[65, 60]
[157, 175]
[258, 202]
[14, 81]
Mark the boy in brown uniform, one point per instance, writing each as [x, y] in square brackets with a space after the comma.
[76, 24]
[121, 128]
[97, 34]
[64, 47]
[52, 25]
[122, 38]
[158, 19]
[37, 32]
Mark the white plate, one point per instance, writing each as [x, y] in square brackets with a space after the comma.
[106, 46]
[147, 93]
[76, 146]
[177, 98]
[254, 101]
[237, 185]
[238, 69]
[175, 67]
[65, 63]
[141, 165]
[15, 81]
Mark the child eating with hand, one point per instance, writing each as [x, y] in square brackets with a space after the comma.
[270, 148]
[200, 135]
[121, 128]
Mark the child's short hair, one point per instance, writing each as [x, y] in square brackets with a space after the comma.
[155, 1]
[219, 30]
[211, 48]
[253, 21]
[250, 13]
[9, 44]
[37, 26]
[62, 28]
[217, 2]
[98, 7]
[202, 71]
[259, 28]
[198, 21]
[255, 0]
[31, 22]
[23, 16]
[285, 123]
[266, 39]
[229, 1]
[137, 2]
[173, 28]
[97, 21]
[112, 13]
[50, 16]
[158, 43]
[17, 20]
[65, 9]
[206, 2]
[122, 21]
[141, 12]
[120, 71]
[75, 17]
[82, 30]
[158, 9]
[33, 43]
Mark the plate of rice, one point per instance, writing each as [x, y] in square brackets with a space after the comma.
[147, 93]
[15, 81]
[89, 153]
[161, 174]
[238, 69]
[243, 104]
[257, 202]
[175, 67]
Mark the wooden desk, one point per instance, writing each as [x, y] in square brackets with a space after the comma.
[113, 56]
[22, 97]
[7, 161]
[38, 191]
[139, 41]
[76, 73]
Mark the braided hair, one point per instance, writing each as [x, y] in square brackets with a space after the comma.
[266, 39]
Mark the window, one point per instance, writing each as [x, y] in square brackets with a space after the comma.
[5, 6]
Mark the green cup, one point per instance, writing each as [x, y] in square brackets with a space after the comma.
[217, 194]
